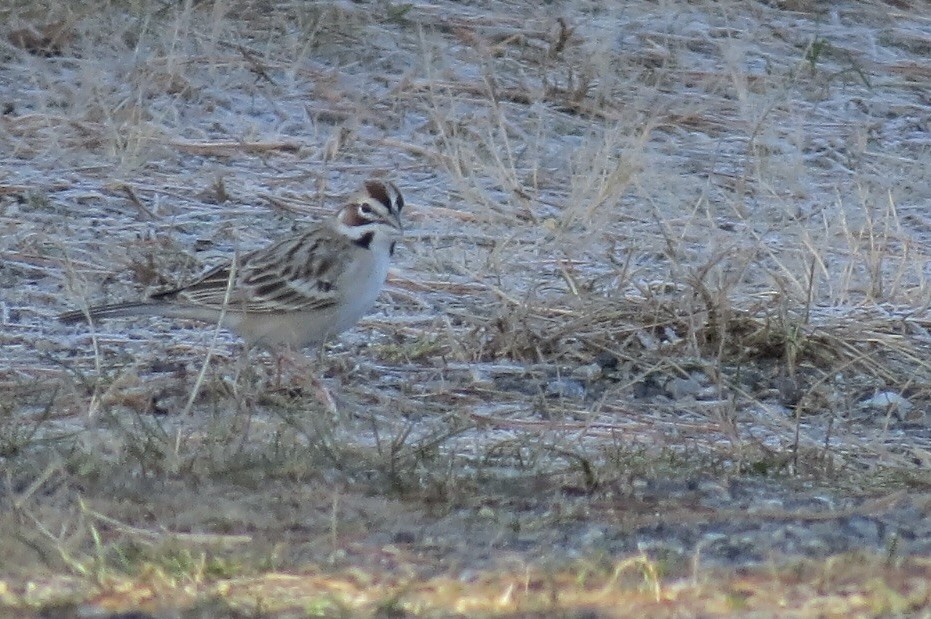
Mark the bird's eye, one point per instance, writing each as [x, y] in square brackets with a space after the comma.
[365, 208]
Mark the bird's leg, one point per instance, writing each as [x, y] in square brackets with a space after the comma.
[242, 363]
[323, 395]
[279, 361]
[305, 366]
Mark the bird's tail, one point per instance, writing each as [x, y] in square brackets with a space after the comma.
[113, 310]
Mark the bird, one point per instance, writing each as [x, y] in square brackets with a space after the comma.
[296, 292]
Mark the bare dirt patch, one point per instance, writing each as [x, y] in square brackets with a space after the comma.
[656, 341]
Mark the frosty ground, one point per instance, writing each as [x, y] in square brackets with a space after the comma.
[656, 340]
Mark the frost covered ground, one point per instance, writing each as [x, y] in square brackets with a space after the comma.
[656, 341]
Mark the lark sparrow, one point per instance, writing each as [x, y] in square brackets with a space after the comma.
[297, 291]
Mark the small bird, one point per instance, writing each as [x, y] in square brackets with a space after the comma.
[299, 290]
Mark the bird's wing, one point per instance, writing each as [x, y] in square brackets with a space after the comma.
[297, 273]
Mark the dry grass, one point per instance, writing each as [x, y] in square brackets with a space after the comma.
[647, 242]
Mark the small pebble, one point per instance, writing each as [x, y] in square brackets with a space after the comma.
[606, 361]
[565, 388]
[888, 401]
[681, 388]
[589, 372]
